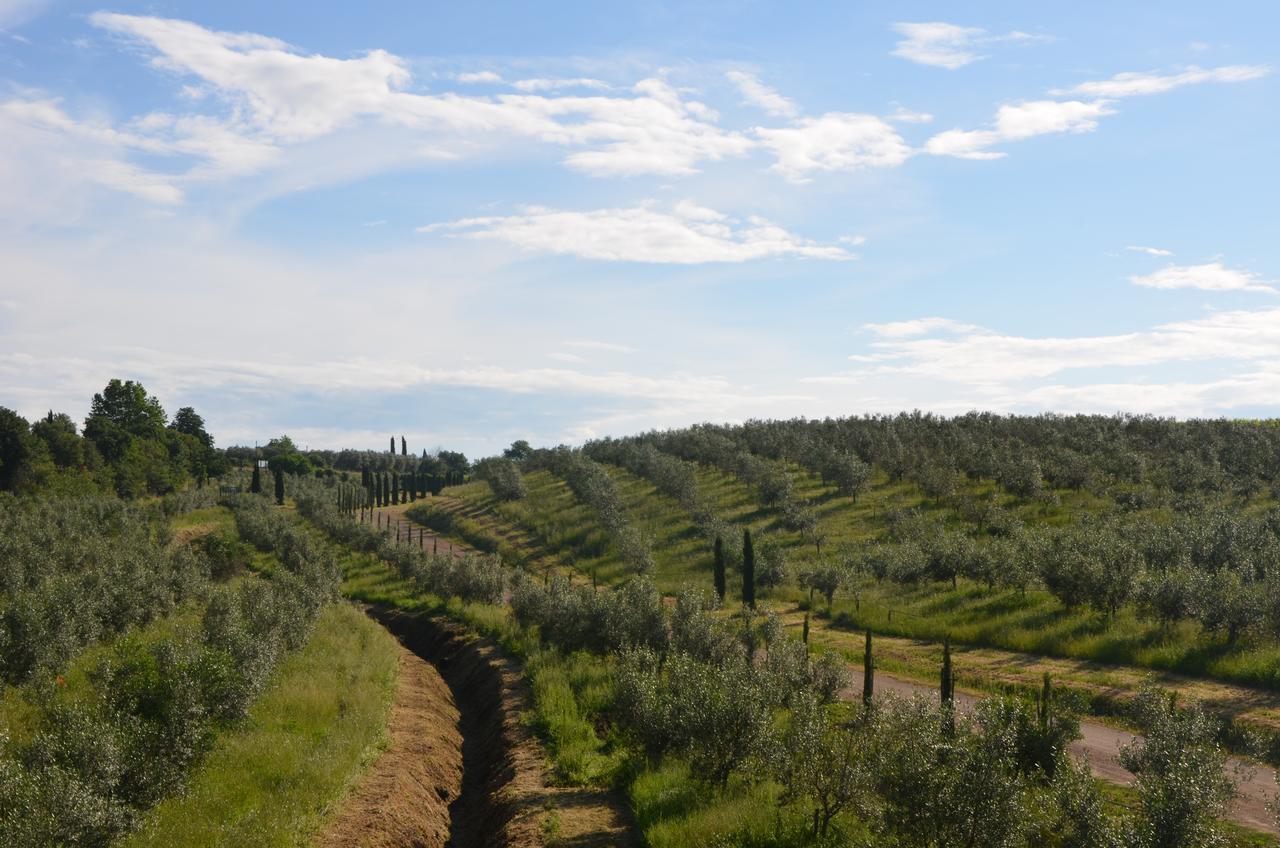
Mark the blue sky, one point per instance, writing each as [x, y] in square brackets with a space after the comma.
[471, 223]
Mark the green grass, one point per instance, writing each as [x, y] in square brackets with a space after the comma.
[271, 780]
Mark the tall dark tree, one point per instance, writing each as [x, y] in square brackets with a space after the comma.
[413, 484]
[21, 453]
[393, 445]
[364, 476]
[519, 450]
[804, 632]
[395, 488]
[404, 447]
[748, 569]
[868, 672]
[120, 413]
[255, 485]
[279, 487]
[948, 689]
[187, 420]
[719, 569]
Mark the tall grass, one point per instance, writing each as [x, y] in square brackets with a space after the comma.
[271, 780]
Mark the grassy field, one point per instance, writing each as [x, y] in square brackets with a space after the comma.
[271, 780]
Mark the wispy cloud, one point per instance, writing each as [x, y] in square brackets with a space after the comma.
[1150, 251]
[950, 46]
[591, 344]
[758, 94]
[1138, 83]
[1015, 122]
[1212, 276]
[687, 235]
[539, 84]
[471, 77]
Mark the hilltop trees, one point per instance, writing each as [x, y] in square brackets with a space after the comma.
[125, 446]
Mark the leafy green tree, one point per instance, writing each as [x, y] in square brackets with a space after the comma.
[58, 432]
[187, 420]
[24, 459]
[122, 410]
[1182, 780]
[519, 451]
[822, 764]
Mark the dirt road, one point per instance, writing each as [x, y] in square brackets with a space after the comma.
[1101, 745]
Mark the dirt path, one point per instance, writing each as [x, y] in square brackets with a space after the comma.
[404, 799]
[1101, 745]
[392, 520]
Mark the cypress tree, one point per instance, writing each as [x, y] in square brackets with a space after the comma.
[255, 485]
[393, 445]
[804, 634]
[364, 476]
[279, 487]
[404, 448]
[748, 569]
[948, 691]
[719, 568]
[1042, 703]
[413, 485]
[868, 672]
[395, 488]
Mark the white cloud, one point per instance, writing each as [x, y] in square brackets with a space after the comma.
[1150, 251]
[275, 95]
[938, 44]
[918, 327]
[641, 234]
[758, 94]
[561, 356]
[1134, 84]
[836, 141]
[557, 84]
[949, 46]
[1212, 276]
[1015, 122]
[961, 353]
[908, 116]
[591, 344]
[470, 77]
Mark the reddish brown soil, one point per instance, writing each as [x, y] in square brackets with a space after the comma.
[505, 800]
[405, 798]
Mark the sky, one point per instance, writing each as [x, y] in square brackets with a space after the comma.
[471, 223]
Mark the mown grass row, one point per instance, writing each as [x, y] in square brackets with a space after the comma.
[251, 742]
[272, 779]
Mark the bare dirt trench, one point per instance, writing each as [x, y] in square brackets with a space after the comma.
[1101, 744]
[481, 780]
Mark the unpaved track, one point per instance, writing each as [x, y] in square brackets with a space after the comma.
[396, 525]
[1101, 745]
[404, 799]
